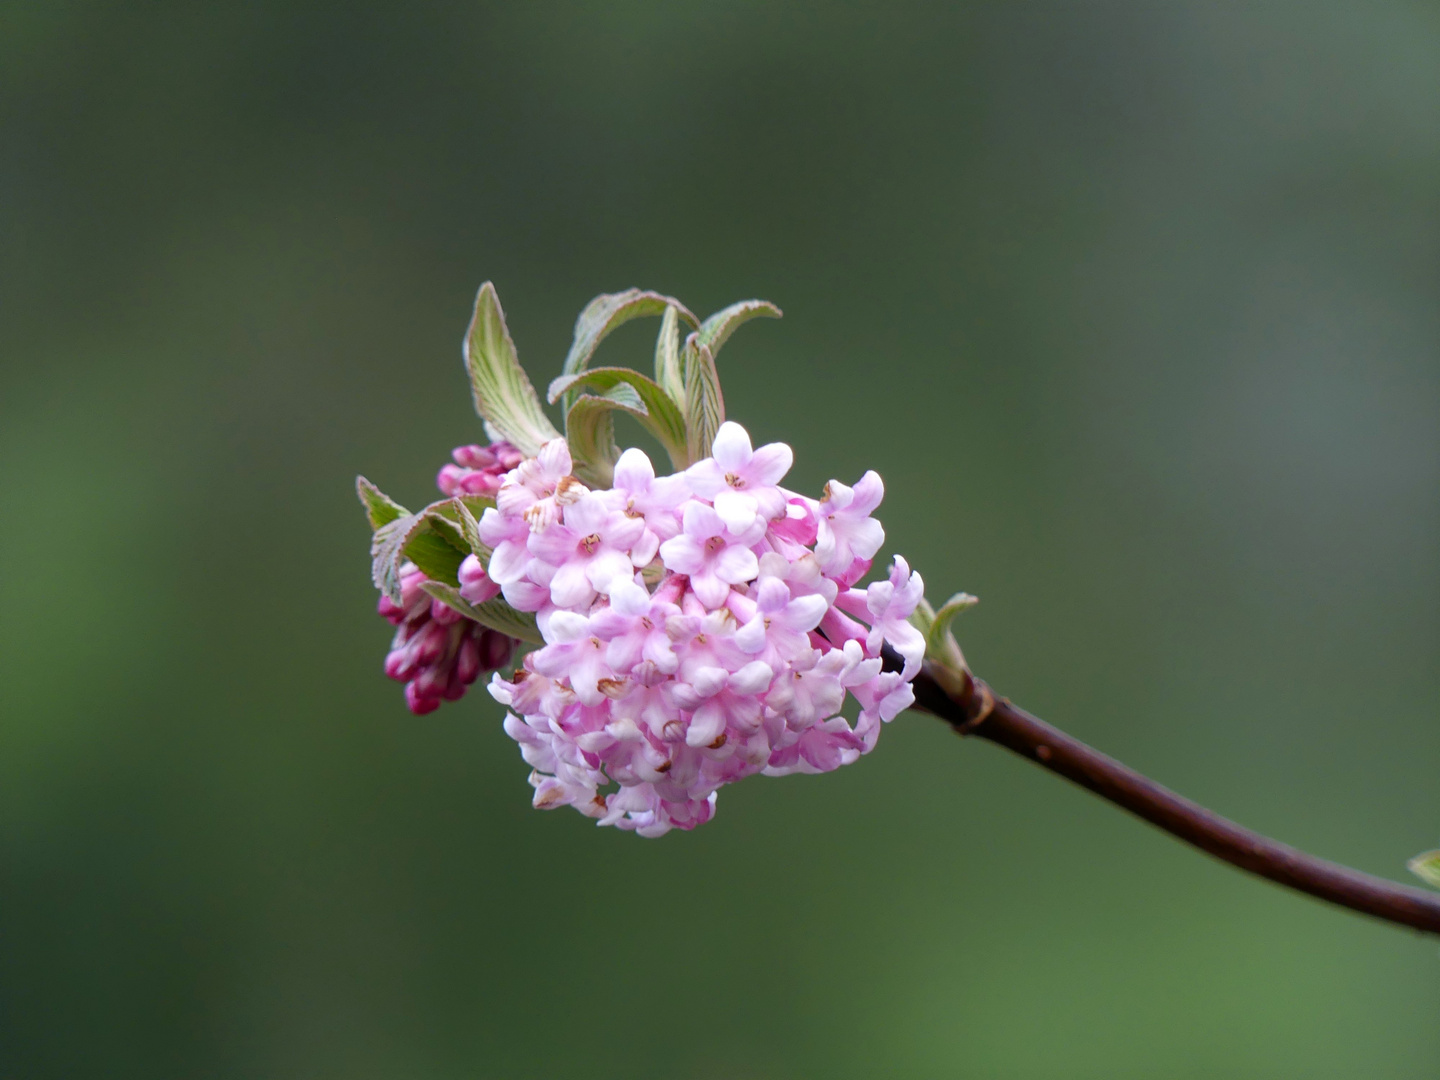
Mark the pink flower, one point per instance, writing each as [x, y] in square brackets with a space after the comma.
[575, 653]
[592, 548]
[707, 553]
[847, 535]
[539, 487]
[634, 625]
[779, 630]
[888, 606]
[740, 482]
[475, 585]
[641, 494]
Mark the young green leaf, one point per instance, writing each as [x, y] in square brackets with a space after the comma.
[716, 330]
[667, 358]
[379, 507]
[608, 311]
[590, 431]
[923, 617]
[939, 631]
[503, 395]
[659, 416]
[1426, 867]
[495, 614]
[455, 520]
[704, 404]
[437, 558]
[419, 538]
[387, 549]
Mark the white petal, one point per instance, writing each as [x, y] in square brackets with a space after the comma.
[731, 449]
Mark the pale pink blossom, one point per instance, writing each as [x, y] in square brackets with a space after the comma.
[590, 549]
[709, 555]
[847, 537]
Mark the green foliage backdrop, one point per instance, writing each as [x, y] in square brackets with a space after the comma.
[1133, 306]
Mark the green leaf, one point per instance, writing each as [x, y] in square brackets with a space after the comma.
[387, 548]
[704, 404]
[667, 358]
[495, 614]
[437, 558]
[608, 311]
[429, 539]
[502, 391]
[923, 617]
[1426, 867]
[938, 636]
[380, 508]
[590, 430]
[455, 520]
[658, 414]
[716, 330]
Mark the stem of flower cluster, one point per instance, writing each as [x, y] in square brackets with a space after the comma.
[970, 707]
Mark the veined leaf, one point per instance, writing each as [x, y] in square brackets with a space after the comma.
[455, 520]
[495, 614]
[716, 330]
[590, 430]
[387, 549]
[607, 311]
[503, 395]
[704, 404]
[661, 417]
[667, 358]
[379, 507]
[1426, 867]
[427, 539]
[437, 558]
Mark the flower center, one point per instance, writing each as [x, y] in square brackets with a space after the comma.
[734, 481]
[590, 543]
[714, 544]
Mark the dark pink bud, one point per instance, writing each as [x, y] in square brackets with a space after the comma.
[480, 483]
[444, 614]
[417, 702]
[467, 660]
[474, 457]
[495, 650]
[449, 479]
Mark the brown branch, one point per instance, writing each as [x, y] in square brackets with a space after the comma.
[971, 709]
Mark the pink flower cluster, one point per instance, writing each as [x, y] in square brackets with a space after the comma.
[437, 652]
[738, 659]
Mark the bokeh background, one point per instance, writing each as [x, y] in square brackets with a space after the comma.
[1133, 306]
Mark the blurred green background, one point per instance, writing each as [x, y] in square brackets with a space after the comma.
[1133, 306]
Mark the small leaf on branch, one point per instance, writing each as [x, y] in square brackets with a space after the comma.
[379, 507]
[503, 395]
[1426, 867]
[716, 330]
[939, 631]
